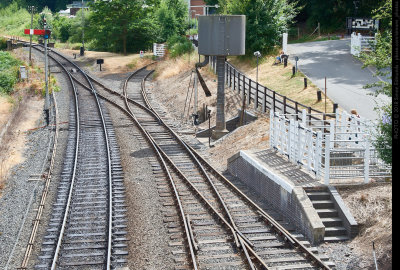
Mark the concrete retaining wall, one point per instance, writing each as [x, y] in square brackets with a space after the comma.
[289, 200]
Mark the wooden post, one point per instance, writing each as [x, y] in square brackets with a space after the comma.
[284, 105]
[319, 30]
[296, 107]
[234, 80]
[273, 100]
[309, 116]
[248, 90]
[230, 77]
[256, 97]
[265, 100]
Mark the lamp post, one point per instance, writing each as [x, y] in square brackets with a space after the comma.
[258, 55]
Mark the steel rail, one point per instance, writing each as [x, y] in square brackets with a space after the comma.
[165, 167]
[109, 240]
[234, 230]
[191, 186]
[282, 231]
[269, 220]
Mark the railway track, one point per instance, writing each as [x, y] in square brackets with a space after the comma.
[87, 227]
[212, 224]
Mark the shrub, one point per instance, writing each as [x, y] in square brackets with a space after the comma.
[178, 45]
[8, 72]
[3, 43]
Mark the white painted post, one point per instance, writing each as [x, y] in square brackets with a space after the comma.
[300, 143]
[284, 42]
[291, 145]
[304, 117]
[366, 162]
[327, 159]
[318, 156]
[332, 131]
[271, 129]
[309, 148]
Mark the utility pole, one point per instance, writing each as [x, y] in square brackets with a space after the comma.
[47, 99]
[31, 9]
[83, 31]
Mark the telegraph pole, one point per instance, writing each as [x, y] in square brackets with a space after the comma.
[31, 8]
[47, 99]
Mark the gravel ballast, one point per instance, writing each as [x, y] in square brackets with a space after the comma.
[20, 198]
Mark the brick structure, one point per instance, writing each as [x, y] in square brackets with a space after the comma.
[198, 10]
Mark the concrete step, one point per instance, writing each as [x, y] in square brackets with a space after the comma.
[325, 213]
[335, 231]
[299, 236]
[339, 238]
[321, 204]
[318, 195]
[332, 222]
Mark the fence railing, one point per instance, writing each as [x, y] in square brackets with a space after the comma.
[264, 98]
[360, 43]
[335, 149]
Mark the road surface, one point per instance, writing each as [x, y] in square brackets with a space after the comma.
[344, 73]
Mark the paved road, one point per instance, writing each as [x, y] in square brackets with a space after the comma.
[345, 77]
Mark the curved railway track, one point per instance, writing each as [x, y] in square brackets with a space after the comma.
[213, 224]
[86, 230]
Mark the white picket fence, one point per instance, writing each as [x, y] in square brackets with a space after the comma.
[159, 49]
[360, 43]
[330, 149]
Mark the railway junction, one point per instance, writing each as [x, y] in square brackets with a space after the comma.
[124, 186]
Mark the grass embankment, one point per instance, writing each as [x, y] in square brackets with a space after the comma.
[14, 92]
[14, 20]
[280, 79]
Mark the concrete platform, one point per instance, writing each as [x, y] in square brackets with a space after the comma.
[294, 193]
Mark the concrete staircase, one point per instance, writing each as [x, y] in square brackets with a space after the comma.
[325, 207]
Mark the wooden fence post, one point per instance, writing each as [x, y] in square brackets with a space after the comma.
[234, 80]
[273, 100]
[284, 104]
[248, 90]
[256, 97]
[264, 108]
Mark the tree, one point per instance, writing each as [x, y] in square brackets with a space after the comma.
[381, 58]
[172, 19]
[266, 20]
[115, 22]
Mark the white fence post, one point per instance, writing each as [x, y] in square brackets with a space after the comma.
[327, 159]
[318, 156]
[284, 42]
[304, 117]
[366, 163]
[271, 129]
[355, 48]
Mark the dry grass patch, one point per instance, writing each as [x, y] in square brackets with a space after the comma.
[371, 206]
[280, 79]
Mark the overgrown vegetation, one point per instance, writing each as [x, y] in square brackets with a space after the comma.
[381, 58]
[178, 45]
[3, 43]
[8, 72]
